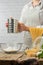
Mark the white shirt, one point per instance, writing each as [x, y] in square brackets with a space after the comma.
[30, 16]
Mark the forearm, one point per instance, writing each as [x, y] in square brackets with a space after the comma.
[27, 28]
[23, 27]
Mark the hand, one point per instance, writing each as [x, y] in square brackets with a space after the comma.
[6, 24]
[21, 27]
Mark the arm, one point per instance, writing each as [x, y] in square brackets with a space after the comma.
[22, 27]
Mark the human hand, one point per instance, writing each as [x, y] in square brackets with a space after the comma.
[21, 27]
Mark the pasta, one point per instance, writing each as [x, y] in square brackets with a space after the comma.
[31, 52]
[35, 32]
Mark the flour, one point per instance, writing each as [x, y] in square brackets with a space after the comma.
[10, 49]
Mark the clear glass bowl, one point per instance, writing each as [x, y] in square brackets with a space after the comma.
[9, 49]
[38, 42]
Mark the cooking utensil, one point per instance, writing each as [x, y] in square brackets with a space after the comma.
[38, 42]
[9, 49]
[12, 25]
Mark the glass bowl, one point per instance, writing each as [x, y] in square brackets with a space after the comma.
[10, 49]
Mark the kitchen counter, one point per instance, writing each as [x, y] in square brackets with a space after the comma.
[10, 59]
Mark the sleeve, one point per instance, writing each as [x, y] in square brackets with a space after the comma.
[41, 15]
[23, 15]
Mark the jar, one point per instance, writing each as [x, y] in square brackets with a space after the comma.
[38, 42]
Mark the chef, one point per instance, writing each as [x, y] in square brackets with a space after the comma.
[30, 16]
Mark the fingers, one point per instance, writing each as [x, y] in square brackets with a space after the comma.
[21, 27]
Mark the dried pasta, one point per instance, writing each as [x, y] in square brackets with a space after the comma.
[35, 32]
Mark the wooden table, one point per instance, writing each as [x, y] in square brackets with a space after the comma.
[10, 59]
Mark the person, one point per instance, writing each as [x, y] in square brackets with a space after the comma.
[30, 16]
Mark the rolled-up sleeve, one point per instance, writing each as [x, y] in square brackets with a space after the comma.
[41, 15]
